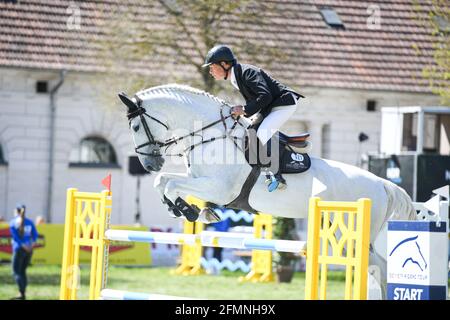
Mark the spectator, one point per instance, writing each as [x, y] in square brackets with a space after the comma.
[24, 234]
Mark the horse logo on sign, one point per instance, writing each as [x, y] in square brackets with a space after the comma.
[411, 254]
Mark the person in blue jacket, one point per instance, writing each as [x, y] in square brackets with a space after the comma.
[24, 234]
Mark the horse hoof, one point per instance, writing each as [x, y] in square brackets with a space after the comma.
[208, 215]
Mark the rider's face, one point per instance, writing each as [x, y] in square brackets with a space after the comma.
[217, 71]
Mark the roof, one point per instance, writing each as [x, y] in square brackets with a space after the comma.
[35, 34]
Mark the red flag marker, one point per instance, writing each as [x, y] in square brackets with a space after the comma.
[107, 182]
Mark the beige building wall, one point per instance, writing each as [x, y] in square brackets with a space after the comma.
[334, 117]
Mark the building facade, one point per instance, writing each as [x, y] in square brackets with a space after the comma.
[347, 75]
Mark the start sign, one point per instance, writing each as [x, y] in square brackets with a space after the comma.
[417, 260]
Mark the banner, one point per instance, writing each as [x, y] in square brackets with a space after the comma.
[49, 246]
[417, 261]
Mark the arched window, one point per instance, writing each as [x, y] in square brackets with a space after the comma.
[93, 151]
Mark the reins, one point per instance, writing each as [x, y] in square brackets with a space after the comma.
[142, 113]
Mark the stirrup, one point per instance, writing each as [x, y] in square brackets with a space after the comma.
[273, 182]
[273, 185]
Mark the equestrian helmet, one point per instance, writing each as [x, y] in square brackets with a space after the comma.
[219, 53]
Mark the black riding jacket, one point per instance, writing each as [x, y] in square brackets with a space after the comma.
[260, 91]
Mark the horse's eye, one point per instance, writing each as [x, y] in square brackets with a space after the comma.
[136, 127]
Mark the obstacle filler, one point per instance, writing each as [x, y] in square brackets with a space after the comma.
[87, 224]
[191, 254]
[353, 221]
[261, 263]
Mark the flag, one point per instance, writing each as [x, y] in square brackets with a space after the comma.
[107, 182]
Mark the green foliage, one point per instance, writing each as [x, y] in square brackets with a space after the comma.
[437, 22]
[173, 36]
[284, 229]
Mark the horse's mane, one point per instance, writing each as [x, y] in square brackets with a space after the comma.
[180, 88]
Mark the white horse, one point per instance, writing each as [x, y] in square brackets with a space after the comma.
[178, 116]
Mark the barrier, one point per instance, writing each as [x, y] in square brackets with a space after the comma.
[353, 220]
[87, 224]
[261, 269]
[415, 271]
[109, 294]
[191, 254]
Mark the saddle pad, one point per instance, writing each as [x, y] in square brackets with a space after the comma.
[294, 162]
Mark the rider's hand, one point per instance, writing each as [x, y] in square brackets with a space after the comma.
[237, 111]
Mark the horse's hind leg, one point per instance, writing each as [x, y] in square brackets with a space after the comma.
[380, 263]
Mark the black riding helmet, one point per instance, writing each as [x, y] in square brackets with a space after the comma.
[219, 53]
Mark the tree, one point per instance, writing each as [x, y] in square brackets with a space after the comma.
[285, 261]
[176, 34]
[437, 20]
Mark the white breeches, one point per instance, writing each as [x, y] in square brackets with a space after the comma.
[274, 120]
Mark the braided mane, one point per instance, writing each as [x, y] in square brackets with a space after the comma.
[179, 88]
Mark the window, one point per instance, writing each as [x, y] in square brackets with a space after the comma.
[332, 18]
[42, 87]
[2, 158]
[371, 106]
[94, 151]
[173, 6]
[442, 24]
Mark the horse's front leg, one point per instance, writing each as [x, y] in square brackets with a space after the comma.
[162, 179]
[160, 183]
[208, 189]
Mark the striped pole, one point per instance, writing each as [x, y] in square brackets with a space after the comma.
[209, 239]
[110, 294]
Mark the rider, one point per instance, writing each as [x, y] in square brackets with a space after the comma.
[262, 93]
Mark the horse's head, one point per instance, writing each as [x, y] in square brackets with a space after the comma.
[148, 133]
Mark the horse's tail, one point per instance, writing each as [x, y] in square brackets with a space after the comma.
[400, 206]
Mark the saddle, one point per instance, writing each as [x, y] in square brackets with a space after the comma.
[292, 149]
[294, 159]
[291, 160]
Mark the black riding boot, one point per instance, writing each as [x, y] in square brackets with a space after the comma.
[257, 152]
[275, 181]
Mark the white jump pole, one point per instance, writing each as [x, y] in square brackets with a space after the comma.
[209, 239]
[110, 294]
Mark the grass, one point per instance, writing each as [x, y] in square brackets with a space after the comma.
[44, 282]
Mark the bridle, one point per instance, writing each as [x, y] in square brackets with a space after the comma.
[142, 113]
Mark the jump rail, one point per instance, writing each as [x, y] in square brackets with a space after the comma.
[87, 224]
[209, 239]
